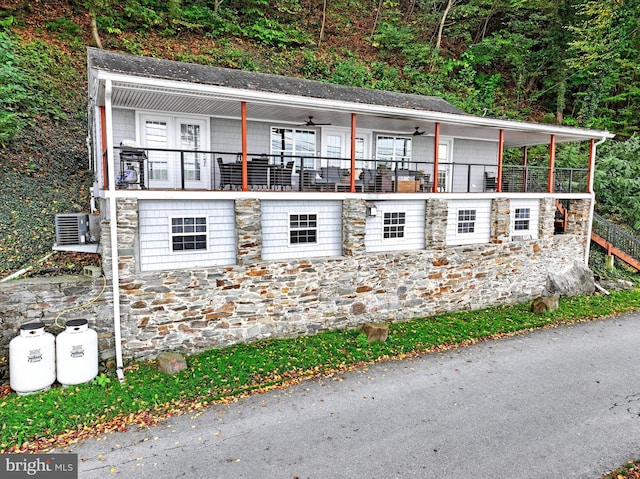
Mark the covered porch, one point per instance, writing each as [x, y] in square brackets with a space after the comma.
[162, 125]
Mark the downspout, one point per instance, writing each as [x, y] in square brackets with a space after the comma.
[103, 146]
[592, 165]
[113, 230]
[436, 155]
[500, 159]
[352, 186]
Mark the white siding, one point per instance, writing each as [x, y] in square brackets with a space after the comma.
[413, 238]
[124, 128]
[226, 136]
[469, 157]
[155, 247]
[481, 227]
[275, 229]
[534, 218]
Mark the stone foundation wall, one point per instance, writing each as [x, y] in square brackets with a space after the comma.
[192, 310]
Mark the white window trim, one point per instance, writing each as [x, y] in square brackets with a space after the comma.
[528, 218]
[403, 224]
[458, 222]
[172, 234]
[289, 229]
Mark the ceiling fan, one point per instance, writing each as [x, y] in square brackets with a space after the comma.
[418, 132]
[310, 122]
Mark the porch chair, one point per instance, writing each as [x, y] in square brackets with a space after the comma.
[225, 174]
[257, 170]
[490, 181]
[281, 177]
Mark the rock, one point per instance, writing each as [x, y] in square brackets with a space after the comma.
[171, 363]
[544, 304]
[376, 331]
[577, 280]
[616, 284]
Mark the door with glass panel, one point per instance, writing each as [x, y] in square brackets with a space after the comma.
[168, 169]
[298, 146]
[156, 133]
[190, 136]
[336, 147]
[445, 166]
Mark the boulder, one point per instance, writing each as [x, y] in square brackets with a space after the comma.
[376, 331]
[544, 304]
[577, 280]
[616, 284]
[171, 363]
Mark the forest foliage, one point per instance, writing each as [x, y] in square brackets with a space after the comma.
[571, 62]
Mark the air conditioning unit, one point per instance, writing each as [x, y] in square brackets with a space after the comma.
[72, 228]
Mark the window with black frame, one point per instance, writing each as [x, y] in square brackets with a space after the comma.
[188, 233]
[303, 228]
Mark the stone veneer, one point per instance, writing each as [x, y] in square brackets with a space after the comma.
[191, 310]
[195, 309]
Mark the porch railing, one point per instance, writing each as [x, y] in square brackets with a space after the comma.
[535, 179]
[161, 168]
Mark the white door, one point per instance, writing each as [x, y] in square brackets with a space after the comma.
[155, 133]
[165, 169]
[336, 144]
[191, 137]
[445, 166]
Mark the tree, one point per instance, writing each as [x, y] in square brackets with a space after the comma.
[604, 57]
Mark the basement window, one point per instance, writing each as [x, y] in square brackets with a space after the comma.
[303, 228]
[188, 233]
[522, 219]
[393, 226]
[466, 221]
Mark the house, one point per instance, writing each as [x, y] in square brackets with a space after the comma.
[238, 205]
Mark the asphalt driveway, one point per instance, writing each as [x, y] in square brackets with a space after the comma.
[559, 403]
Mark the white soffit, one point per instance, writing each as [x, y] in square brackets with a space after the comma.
[167, 95]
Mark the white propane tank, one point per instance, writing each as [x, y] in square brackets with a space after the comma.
[32, 359]
[76, 353]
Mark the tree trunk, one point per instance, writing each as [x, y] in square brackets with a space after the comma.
[94, 30]
[375, 22]
[450, 4]
[324, 19]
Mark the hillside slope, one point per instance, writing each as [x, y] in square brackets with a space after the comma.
[504, 62]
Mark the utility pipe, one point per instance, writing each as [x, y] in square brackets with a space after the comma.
[113, 230]
[22, 271]
[103, 147]
[592, 164]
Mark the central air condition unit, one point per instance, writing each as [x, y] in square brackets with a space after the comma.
[72, 228]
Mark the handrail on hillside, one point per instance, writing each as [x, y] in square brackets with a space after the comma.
[616, 236]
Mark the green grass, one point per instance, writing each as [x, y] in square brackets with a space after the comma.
[33, 422]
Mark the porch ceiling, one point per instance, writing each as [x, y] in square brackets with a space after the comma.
[196, 102]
